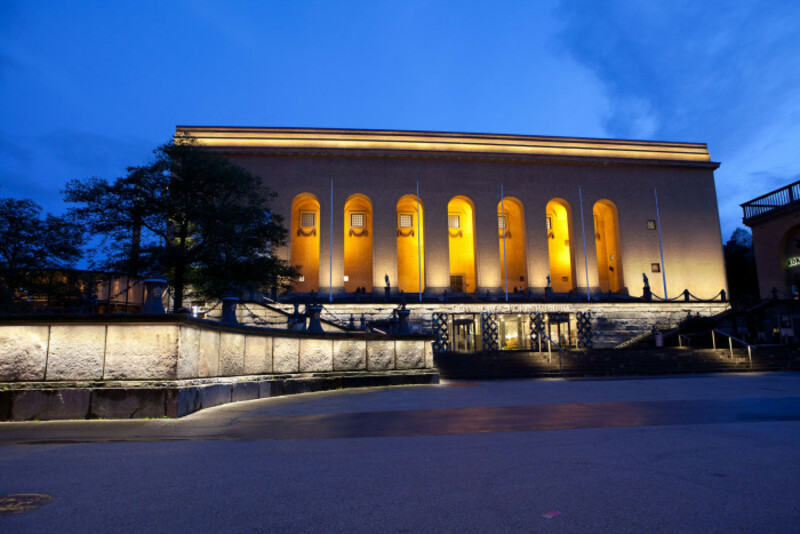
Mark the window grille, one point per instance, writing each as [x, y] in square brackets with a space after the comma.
[501, 221]
[308, 219]
[406, 220]
[453, 220]
[357, 219]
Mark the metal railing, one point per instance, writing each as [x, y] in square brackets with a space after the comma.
[773, 200]
[731, 339]
[681, 338]
[551, 343]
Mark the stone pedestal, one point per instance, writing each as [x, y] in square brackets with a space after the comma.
[314, 325]
[402, 322]
[153, 292]
[229, 303]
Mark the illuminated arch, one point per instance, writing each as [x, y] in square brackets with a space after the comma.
[559, 245]
[606, 239]
[410, 244]
[461, 229]
[305, 241]
[513, 256]
[357, 243]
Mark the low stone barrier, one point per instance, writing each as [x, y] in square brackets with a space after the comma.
[149, 348]
[55, 354]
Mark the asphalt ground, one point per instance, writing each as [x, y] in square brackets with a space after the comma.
[704, 453]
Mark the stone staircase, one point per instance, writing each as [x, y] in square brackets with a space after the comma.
[613, 362]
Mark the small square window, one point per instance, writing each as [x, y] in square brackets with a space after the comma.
[651, 224]
[357, 219]
[501, 221]
[406, 220]
[655, 267]
[453, 221]
[549, 223]
[307, 219]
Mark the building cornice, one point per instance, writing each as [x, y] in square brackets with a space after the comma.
[389, 143]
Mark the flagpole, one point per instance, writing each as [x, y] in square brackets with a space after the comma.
[330, 255]
[419, 247]
[505, 223]
[661, 245]
[585, 257]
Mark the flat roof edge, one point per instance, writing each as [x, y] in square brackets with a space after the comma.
[334, 140]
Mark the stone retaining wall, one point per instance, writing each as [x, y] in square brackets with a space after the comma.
[131, 399]
[169, 348]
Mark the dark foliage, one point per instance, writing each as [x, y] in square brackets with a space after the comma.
[30, 245]
[201, 220]
[740, 267]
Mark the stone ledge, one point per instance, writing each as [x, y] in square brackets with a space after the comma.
[49, 401]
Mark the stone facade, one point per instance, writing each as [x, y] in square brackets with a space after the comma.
[556, 191]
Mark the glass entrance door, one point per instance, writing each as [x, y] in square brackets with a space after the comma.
[464, 334]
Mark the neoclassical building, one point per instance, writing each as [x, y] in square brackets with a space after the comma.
[469, 213]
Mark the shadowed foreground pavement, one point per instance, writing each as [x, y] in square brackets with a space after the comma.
[685, 454]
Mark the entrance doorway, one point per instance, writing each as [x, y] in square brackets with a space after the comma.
[464, 334]
[457, 283]
[559, 329]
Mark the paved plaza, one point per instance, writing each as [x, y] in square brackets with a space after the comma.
[682, 454]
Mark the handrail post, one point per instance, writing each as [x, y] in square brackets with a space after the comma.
[730, 346]
[713, 340]
[549, 353]
[750, 356]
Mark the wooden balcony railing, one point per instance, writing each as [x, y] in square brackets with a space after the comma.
[764, 204]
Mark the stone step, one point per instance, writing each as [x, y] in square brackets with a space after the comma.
[606, 362]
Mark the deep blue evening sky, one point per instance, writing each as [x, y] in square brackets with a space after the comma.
[88, 88]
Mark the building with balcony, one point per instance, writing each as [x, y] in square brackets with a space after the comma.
[774, 219]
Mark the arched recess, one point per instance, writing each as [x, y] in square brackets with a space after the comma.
[410, 244]
[461, 229]
[305, 241]
[513, 253]
[606, 240]
[559, 245]
[357, 243]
